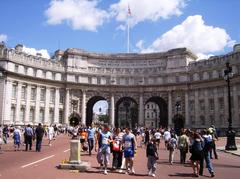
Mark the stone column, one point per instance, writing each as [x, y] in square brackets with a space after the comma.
[112, 112]
[207, 110]
[27, 109]
[170, 109]
[66, 107]
[56, 106]
[216, 106]
[235, 105]
[83, 107]
[196, 106]
[187, 124]
[18, 104]
[8, 102]
[46, 109]
[37, 105]
[141, 111]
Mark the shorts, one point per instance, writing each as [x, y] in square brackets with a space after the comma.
[128, 153]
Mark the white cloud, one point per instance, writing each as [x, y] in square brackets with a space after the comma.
[194, 34]
[33, 51]
[79, 14]
[142, 10]
[3, 38]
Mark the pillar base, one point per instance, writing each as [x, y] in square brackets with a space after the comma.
[81, 166]
[231, 144]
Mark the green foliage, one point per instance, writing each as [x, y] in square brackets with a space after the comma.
[103, 118]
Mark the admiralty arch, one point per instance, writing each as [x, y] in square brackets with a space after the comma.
[188, 92]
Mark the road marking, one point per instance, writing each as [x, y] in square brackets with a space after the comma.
[24, 166]
[66, 150]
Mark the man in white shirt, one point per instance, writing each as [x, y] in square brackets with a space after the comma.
[166, 137]
[50, 134]
[157, 136]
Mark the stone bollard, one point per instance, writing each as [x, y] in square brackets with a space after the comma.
[75, 162]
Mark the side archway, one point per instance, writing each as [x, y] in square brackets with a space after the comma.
[162, 119]
[126, 114]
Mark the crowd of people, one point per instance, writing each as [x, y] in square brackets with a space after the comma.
[122, 144]
[25, 135]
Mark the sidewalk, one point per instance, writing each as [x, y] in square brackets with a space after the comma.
[233, 152]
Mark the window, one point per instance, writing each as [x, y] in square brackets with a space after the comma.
[221, 103]
[22, 113]
[192, 120]
[51, 115]
[61, 100]
[221, 119]
[238, 102]
[23, 93]
[52, 95]
[13, 112]
[25, 70]
[211, 104]
[42, 94]
[14, 91]
[191, 105]
[202, 120]
[31, 114]
[33, 94]
[212, 120]
[41, 115]
[61, 116]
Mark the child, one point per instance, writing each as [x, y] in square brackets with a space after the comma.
[152, 156]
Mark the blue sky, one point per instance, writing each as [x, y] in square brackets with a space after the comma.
[204, 26]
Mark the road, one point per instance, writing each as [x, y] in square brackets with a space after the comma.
[34, 165]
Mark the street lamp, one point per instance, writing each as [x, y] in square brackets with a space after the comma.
[155, 111]
[231, 144]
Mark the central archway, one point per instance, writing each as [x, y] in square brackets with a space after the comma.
[89, 109]
[163, 114]
[126, 113]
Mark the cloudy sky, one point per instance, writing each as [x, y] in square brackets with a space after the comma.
[204, 26]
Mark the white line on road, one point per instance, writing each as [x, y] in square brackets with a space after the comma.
[37, 161]
[66, 150]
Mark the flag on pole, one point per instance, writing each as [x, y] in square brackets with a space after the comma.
[129, 11]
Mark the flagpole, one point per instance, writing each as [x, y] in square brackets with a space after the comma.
[128, 37]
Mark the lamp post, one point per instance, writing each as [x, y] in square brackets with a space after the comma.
[178, 108]
[231, 144]
[155, 111]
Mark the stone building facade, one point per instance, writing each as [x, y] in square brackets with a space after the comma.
[34, 89]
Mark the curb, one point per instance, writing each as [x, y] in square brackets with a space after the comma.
[222, 150]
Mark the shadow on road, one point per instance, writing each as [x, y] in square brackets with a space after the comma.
[225, 166]
[182, 175]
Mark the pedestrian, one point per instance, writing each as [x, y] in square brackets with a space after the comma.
[171, 146]
[183, 142]
[28, 137]
[50, 134]
[1, 139]
[5, 134]
[213, 132]
[17, 138]
[83, 138]
[166, 137]
[208, 143]
[117, 149]
[152, 156]
[157, 136]
[147, 136]
[130, 148]
[104, 152]
[91, 132]
[196, 150]
[39, 132]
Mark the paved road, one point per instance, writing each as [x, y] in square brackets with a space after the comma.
[32, 165]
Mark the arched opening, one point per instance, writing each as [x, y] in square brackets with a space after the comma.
[126, 113]
[74, 119]
[159, 110]
[178, 121]
[96, 106]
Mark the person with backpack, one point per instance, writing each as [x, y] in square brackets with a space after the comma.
[208, 143]
[39, 132]
[171, 146]
[28, 137]
[196, 150]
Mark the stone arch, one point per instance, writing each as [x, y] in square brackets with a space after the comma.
[89, 108]
[126, 113]
[163, 106]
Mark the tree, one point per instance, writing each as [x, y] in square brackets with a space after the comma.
[103, 118]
